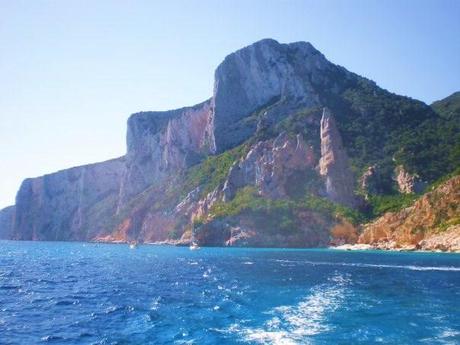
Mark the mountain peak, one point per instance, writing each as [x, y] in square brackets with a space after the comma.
[258, 74]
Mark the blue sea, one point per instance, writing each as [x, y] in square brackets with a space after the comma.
[82, 293]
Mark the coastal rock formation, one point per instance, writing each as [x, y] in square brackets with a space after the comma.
[164, 143]
[271, 166]
[447, 240]
[430, 222]
[308, 229]
[269, 160]
[369, 182]
[408, 183]
[7, 216]
[263, 73]
[333, 165]
[72, 204]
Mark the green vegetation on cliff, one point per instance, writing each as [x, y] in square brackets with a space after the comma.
[212, 171]
[449, 107]
[382, 128]
[377, 126]
[248, 200]
[389, 203]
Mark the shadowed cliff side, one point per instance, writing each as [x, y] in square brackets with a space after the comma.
[7, 216]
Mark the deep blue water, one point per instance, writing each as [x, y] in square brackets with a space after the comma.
[77, 293]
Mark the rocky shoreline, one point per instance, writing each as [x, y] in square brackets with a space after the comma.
[382, 246]
[385, 247]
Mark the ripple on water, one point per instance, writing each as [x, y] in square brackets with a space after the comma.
[159, 295]
[51, 339]
[10, 287]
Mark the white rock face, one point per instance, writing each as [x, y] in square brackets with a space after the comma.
[449, 240]
[367, 181]
[6, 222]
[333, 165]
[269, 165]
[260, 74]
[83, 202]
[164, 143]
[71, 204]
[408, 183]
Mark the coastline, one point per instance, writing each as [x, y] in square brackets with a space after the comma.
[386, 247]
[381, 246]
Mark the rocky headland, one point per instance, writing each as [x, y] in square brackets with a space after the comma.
[291, 150]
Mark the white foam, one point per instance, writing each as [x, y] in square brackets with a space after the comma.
[407, 267]
[296, 324]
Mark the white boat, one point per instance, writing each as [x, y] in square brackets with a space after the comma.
[194, 246]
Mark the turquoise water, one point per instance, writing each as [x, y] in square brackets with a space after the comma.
[77, 293]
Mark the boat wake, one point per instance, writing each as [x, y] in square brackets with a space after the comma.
[364, 265]
[296, 324]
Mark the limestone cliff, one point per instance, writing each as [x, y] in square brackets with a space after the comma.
[263, 228]
[262, 141]
[6, 222]
[407, 182]
[271, 166]
[275, 171]
[334, 165]
[72, 204]
[163, 143]
[430, 223]
[295, 75]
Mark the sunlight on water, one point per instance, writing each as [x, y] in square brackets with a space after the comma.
[75, 293]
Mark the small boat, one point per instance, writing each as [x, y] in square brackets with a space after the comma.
[194, 246]
[133, 245]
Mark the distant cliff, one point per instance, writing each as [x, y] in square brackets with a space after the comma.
[7, 216]
[72, 204]
[289, 150]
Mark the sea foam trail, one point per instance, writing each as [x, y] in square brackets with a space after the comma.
[404, 267]
[296, 324]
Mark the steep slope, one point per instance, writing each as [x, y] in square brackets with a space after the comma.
[72, 204]
[289, 142]
[266, 72]
[7, 222]
[431, 223]
[448, 107]
[161, 143]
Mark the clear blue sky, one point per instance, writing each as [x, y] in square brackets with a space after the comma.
[73, 71]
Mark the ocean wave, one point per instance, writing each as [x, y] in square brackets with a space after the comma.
[66, 302]
[10, 287]
[407, 267]
[51, 338]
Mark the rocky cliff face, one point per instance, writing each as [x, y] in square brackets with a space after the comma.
[293, 178]
[262, 229]
[7, 222]
[334, 165]
[407, 182]
[164, 143]
[283, 168]
[72, 204]
[431, 223]
[266, 72]
[270, 166]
